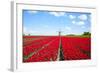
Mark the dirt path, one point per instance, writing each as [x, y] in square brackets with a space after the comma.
[60, 56]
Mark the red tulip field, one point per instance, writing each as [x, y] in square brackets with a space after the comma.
[55, 48]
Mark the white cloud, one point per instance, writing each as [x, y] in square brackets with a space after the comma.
[32, 12]
[80, 23]
[73, 22]
[72, 16]
[57, 13]
[83, 17]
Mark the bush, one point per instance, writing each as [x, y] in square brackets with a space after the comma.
[86, 33]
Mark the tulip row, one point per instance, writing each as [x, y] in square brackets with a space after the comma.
[76, 48]
[48, 53]
[35, 45]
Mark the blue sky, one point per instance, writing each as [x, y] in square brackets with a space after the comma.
[50, 22]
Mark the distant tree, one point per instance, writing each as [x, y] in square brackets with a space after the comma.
[86, 33]
[29, 34]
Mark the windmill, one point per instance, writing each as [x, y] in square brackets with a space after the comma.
[59, 32]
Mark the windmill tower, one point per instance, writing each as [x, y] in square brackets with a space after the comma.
[59, 33]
